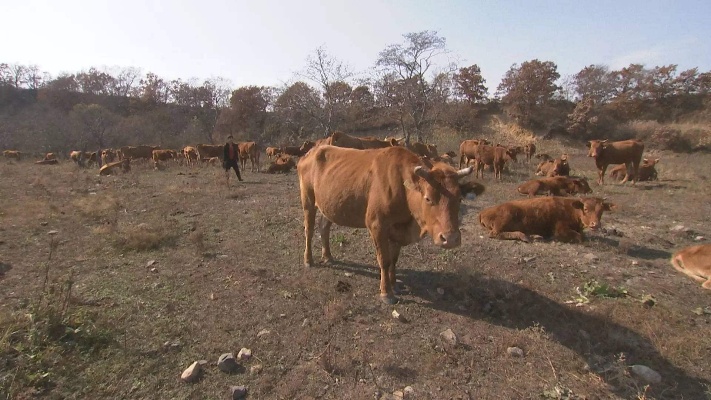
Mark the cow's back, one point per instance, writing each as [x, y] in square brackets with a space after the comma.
[534, 216]
[622, 152]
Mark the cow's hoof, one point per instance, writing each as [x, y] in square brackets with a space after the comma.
[388, 299]
[308, 265]
[327, 261]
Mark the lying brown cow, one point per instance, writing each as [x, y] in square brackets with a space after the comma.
[555, 186]
[110, 168]
[628, 152]
[544, 157]
[49, 156]
[647, 171]
[557, 167]
[251, 151]
[493, 155]
[695, 262]
[47, 162]
[392, 192]
[558, 217]
[282, 164]
[340, 139]
[12, 155]
[468, 149]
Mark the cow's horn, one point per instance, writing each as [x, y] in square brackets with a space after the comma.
[464, 172]
[422, 171]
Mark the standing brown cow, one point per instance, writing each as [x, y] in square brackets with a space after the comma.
[493, 155]
[392, 192]
[467, 150]
[251, 151]
[624, 152]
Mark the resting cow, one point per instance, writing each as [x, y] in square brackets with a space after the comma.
[282, 164]
[397, 196]
[647, 171]
[555, 186]
[110, 168]
[695, 262]
[557, 167]
[47, 162]
[561, 218]
[624, 152]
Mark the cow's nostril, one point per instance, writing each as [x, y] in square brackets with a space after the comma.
[442, 238]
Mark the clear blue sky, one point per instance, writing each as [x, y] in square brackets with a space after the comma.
[266, 42]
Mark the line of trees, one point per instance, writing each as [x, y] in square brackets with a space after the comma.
[412, 88]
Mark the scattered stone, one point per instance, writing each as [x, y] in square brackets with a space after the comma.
[677, 228]
[440, 291]
[591, 257]
[635, 262]
[238, 392]
[409, 391]
[154, 270]
[699, 238]
[263, 332]
[212, 296]
[255, 369]
[515, 352]
[172, 345]
[348, 274]
[202, 363]
[52, 232]
[398, 395]
[282, 315]
[44, 223]
[305, 323]
[151, 263]
[222, 256]
[449, 337]
[647, 374]
[192, 373]
[244, 354]
[399, 316]
[529, 259]
[227, 363]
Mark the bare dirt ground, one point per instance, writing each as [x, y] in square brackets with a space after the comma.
[152, 270]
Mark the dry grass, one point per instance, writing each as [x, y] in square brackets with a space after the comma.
[143, 236]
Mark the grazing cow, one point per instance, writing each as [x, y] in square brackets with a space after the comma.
[340, 139]
[249, 150]
[647, 171]
[559, 217]
[138, 152]
[191, 155]
[492, 155]
[282, 164]
[273, 152]
[80, 157]
[47, 162]
[209, 150]
[555, 186]
[695, 262]
[397, 196]
[624, 152]
[423, 150]
[529, 150]
[544, 157]
[468, 149]
[12, 154]
[110, 168]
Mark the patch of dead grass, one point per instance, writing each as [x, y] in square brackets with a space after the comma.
[143, 237]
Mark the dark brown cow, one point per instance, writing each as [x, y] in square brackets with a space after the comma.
[340, 139]
[108, 156]
[12, 155]
[209, 150]
[424, 150]
[561, 218]
[468, 149]
[143, 152]
[695, 262]
[298, 151]
[282, 164]
[556, 186]
[163, 155]
[529, 150]
[110, 168]
[392, 192]
[493, 155]
[249, 151]
[623, 152]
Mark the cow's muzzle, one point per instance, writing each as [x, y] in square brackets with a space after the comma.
[449, 240]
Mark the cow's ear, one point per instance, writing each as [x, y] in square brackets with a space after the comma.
[656, 160]
[609, 206]
[578, 204]
[471, 188]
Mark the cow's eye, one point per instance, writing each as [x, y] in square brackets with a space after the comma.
[428, 200]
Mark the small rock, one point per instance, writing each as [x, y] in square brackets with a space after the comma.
[192, 373]
[408, 391]
[678, 228]
[529, 259]
[282, 315]
[151, 263]
[44, 223]
[449, 337]
[263, 332]
[255, 369]
[227, 363]
[222, 256]
[52, 232]
[398, 395]
[635, 262]
[515, 352]
[202, 363]
[305, 323]
[238, 392]
[440, 291]
[348, 274]
[591, 257]
[646, 373]
[244, 354]
[212, 296]
[699, 238]
[396, 314]
[154, 270]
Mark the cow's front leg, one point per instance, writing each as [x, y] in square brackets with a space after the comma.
[394, 255]
[384, 256]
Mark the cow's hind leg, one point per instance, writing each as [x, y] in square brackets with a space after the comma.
[325, 231]
[563, 233]
[394, 255]
[627, 173]
[309, 205]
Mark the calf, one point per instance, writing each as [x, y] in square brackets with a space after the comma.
[282, 164]
[468, 149]
[647, 171]
[529, 150]
[557, 167]
[695, 262]
[493, 155]
[556, 186]
[558, 217]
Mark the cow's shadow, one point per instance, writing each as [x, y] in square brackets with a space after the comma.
[516, 307]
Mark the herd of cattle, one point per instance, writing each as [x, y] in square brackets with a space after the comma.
[402, 193]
